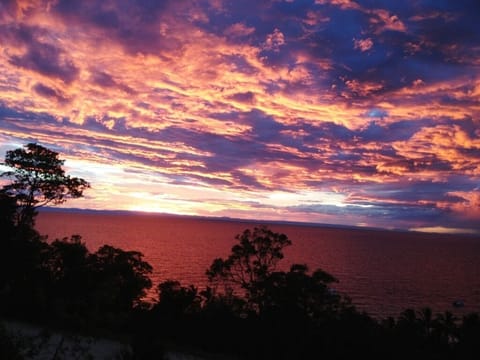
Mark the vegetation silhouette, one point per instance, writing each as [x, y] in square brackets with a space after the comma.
[250, 265]
[38, 180]
[250, 310]
[59, 283]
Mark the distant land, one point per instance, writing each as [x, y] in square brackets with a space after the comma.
[250, 221]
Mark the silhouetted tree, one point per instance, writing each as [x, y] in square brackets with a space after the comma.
[177, 300]
[89, 290]
[71, 281]
[21, 252]
[7, 216]
[284, 314]
[468, 346]
[298, 294]
[38, 179]
[252, 260]
[122, 276]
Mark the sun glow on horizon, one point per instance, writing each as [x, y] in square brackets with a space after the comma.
[181, 107]
[446, 230]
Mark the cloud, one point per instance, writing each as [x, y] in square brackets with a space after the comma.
[246, 97]
[376, 102]
[343, 4]
[103, 79]
[136, 25]
[274, 41]
[42, 57]
[469, 206]
[363, 44]
[385, 21]
[239, 30]
[49, 92]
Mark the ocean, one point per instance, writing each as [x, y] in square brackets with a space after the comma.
[383, 272]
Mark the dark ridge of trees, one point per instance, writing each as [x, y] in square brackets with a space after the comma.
[251, 310]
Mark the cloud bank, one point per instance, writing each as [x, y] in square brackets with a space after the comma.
[334, 111]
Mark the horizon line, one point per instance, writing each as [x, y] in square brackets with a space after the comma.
[434, 230]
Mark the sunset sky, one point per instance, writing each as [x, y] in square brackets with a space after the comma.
[329, 111]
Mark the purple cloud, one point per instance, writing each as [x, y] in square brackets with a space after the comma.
[41, 57]
[49, 92]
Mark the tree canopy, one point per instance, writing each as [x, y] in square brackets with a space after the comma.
[252, 260]
[251, 269]
[38, 179]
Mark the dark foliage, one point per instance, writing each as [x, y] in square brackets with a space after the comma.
[255, 312]
[94, 289]
[59, 282]
[38, 179]
[9, 349]
[252, 260]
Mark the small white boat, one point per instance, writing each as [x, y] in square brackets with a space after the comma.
[458, 303]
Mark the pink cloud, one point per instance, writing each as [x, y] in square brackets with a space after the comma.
[387, 21]
[239, 30]
[363, 44]
[274, 40]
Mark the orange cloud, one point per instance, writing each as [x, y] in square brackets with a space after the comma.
[469, 207]
[195, 98]
[238, 30]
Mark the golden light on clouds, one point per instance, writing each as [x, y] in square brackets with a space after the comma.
[259, 109]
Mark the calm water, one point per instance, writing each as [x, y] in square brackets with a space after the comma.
[383, 272]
